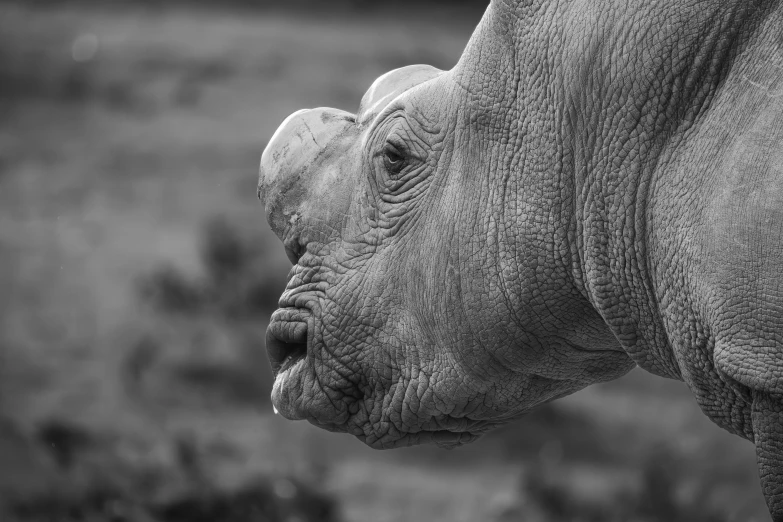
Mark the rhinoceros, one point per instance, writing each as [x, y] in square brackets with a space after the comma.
[594, 186]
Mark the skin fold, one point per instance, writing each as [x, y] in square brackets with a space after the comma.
[593, 186]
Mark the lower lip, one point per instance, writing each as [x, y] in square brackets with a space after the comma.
[282, 388]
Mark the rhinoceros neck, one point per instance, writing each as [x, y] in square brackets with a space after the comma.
[636, 95]
[606, 88]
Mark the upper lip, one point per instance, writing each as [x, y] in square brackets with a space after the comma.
[286, 338]
[304, 284]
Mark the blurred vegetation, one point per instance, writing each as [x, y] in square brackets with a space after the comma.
[97, 484]
[335, 5]
[658, 493]
[226, 302]
[138, 277]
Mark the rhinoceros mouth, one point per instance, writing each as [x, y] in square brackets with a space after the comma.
[286, 346]
[287, 333]
[286, 339]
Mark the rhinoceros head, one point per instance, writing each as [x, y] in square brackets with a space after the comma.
[432, 295]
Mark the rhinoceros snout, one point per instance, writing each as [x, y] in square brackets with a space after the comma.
[305, 172]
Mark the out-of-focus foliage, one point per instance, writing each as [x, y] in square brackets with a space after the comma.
[91, 480]
[336, 5]
[138, 275]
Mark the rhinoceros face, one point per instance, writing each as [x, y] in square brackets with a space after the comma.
[414, 311]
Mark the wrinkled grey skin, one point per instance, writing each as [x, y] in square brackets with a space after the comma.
[594, 185]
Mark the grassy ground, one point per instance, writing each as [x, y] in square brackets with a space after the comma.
[138, 274]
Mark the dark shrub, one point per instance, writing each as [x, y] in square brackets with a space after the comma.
[169, 290]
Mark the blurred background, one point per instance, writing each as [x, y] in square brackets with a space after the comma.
[137, 276]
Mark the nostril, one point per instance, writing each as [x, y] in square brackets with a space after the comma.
[293, 255]
[294, 250]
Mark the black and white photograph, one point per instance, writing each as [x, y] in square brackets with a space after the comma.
[414, 261]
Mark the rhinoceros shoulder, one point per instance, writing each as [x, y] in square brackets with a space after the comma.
[716, 236]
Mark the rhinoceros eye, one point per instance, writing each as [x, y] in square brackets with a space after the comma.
[393, 158]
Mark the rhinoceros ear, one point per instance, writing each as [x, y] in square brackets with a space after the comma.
[389, 86]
